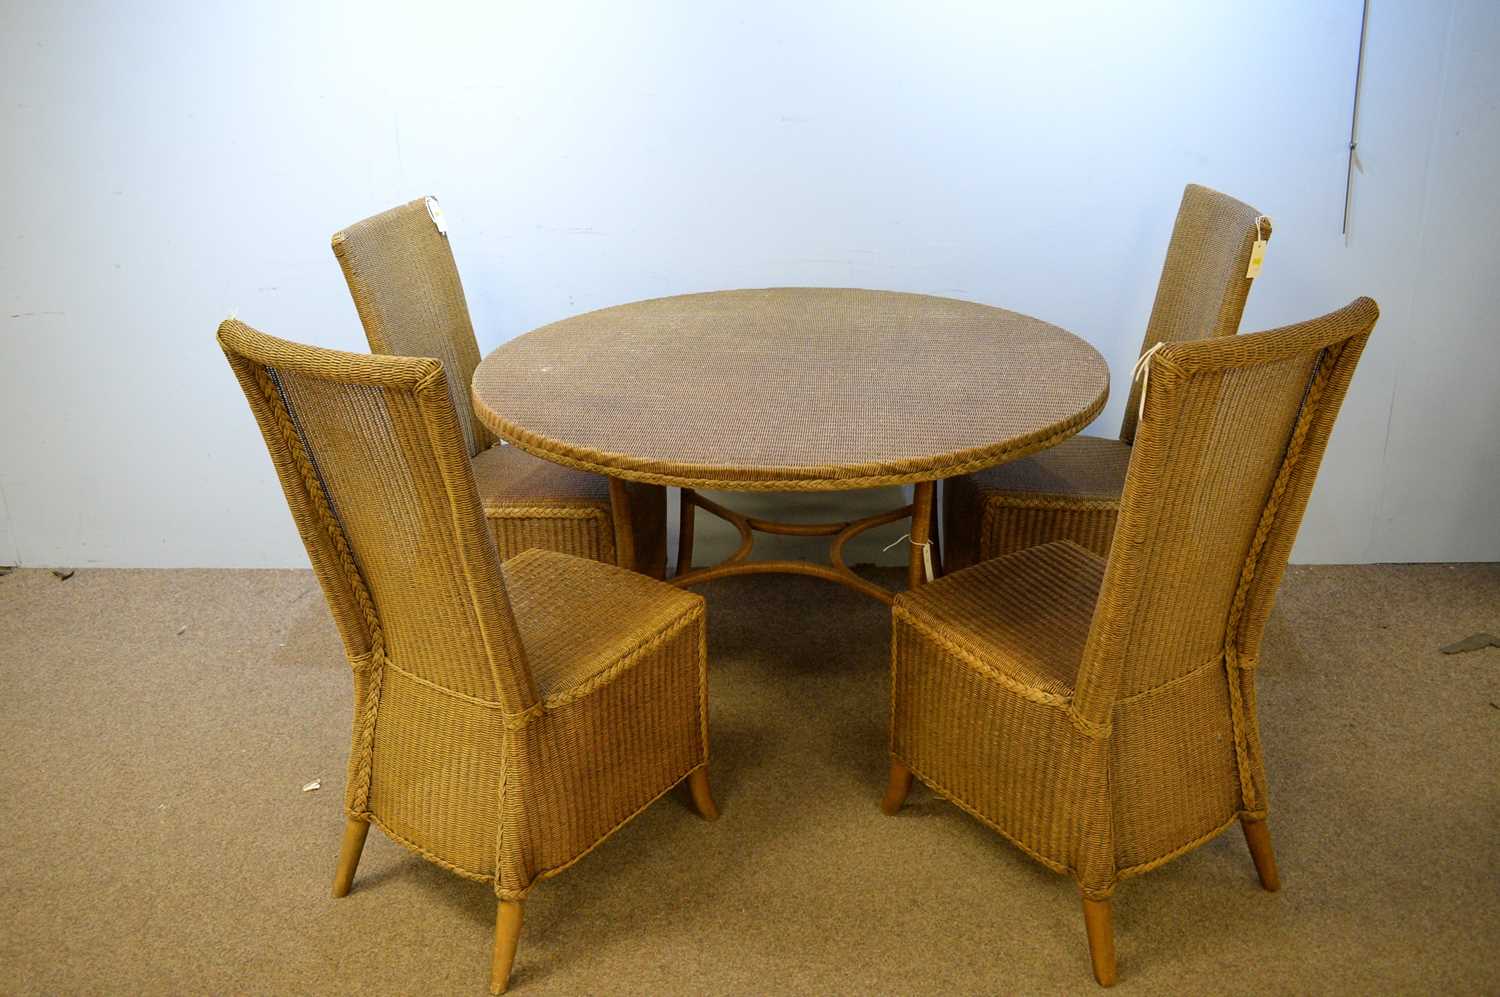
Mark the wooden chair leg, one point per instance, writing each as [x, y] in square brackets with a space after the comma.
[507, 933]
[703, 800]
[349, 852]
[896, 789]
[1258, 837]
[1099, 924]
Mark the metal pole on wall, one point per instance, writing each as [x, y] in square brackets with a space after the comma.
[1359, 73]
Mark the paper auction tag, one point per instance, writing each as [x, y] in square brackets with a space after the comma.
[1257, 252]
[435, 212]
[1257, 257]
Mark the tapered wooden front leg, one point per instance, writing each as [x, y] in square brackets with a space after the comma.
[703, 800]
[896, 789]
[349, 852]
[1099, 923]
[1258, 837]
[507, 933]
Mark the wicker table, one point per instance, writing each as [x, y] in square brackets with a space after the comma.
[790, 389]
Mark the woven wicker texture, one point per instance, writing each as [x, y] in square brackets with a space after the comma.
[789, 389]
[507, 718]
[1103, 718]
[406, 288]
[1073, 492]
[1070, 492]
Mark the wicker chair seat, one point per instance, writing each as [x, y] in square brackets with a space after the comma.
[534, 503]
[509, 476]
[578, 618]
[1070, 492]
[1023, 618]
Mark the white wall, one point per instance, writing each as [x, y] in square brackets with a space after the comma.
[166, 164]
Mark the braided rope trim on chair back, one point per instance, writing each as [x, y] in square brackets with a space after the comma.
[1233, 434]
[406, 288]
[1203, 287]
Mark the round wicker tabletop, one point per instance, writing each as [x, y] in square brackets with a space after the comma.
[790, 389]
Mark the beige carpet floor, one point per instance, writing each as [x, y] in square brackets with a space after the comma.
[156, 728]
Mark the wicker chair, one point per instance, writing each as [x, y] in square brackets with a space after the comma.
[406, 288]
[1101, 715]
[507, 717]
[1072, 491]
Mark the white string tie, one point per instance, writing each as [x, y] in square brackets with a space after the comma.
[1142, 373]
[905, 536]
[926, 546]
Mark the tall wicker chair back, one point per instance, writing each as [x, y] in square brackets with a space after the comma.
[1072, 491]
[507, 717]
[406, 288]
[1103, 716]
[376, 470]
[1202, 290]
[405, 284]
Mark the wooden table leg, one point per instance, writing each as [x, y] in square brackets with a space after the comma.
[619, 504]
[685, 532]
[937, 547]
[921, 531]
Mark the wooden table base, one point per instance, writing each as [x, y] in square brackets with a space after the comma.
[921, 511]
